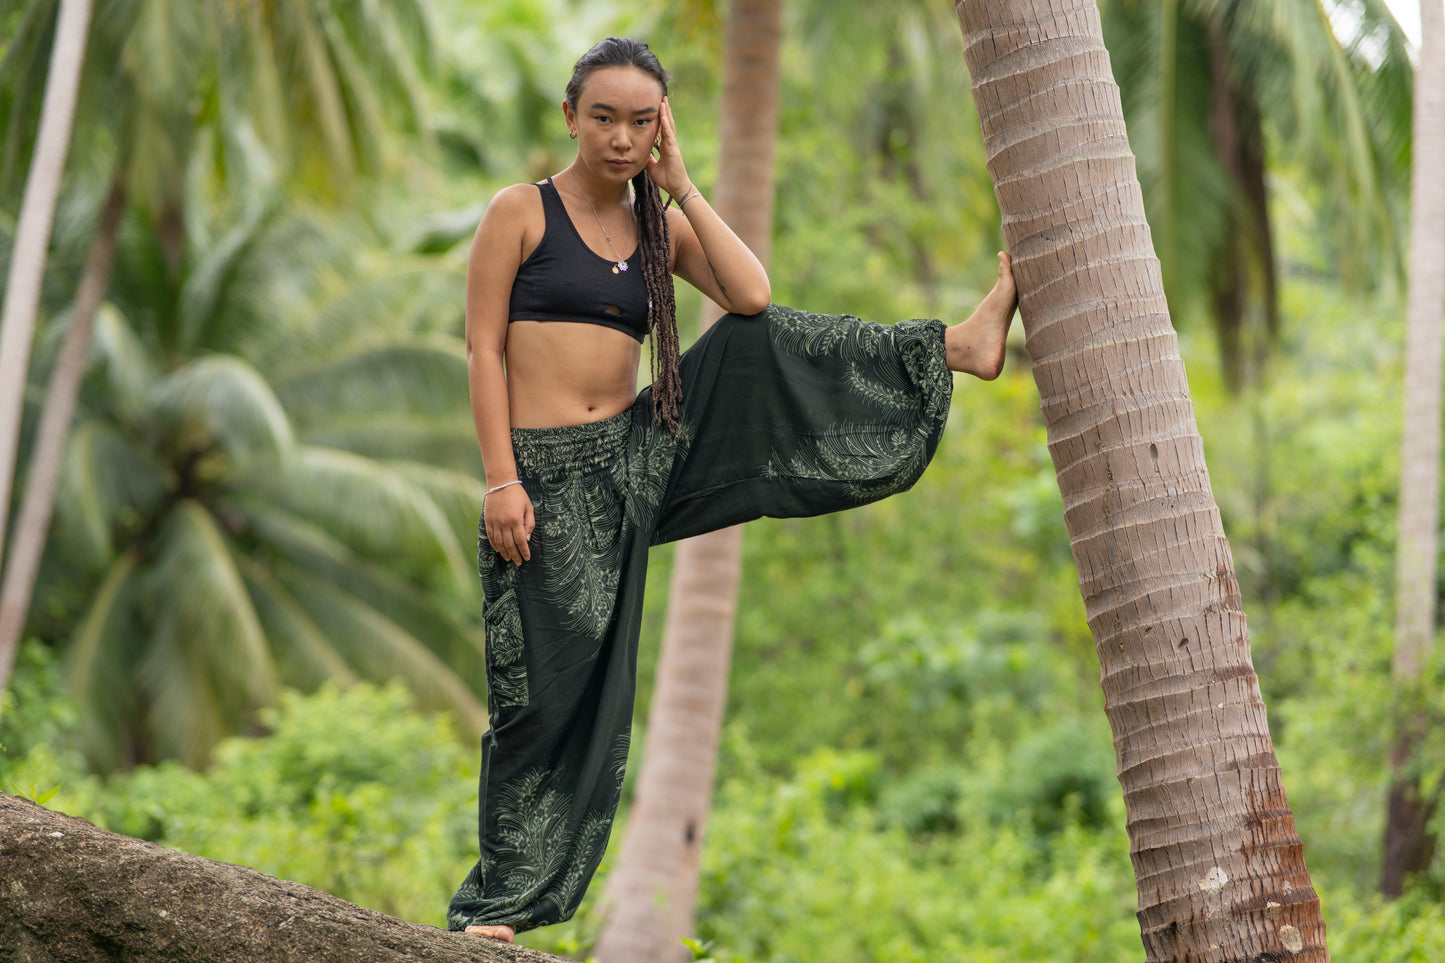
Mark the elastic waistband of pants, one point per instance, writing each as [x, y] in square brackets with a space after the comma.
[571, 447]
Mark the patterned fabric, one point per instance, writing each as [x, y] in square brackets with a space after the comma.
[786, 414]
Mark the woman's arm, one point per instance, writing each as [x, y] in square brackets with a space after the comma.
[496, 254]
[707, 254]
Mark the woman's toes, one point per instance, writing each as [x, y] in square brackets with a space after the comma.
[504, 933]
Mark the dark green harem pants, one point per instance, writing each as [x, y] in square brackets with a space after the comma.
[785, 414]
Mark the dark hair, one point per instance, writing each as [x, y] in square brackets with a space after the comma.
[652, 233]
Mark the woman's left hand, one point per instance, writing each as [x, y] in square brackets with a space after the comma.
[667, 169]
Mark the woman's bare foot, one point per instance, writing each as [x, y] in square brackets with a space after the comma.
[504, 933]
[976, 346]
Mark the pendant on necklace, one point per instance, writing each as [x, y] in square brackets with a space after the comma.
[621, 266]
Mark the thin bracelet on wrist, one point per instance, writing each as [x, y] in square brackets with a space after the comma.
[501, 486]
[687, 197]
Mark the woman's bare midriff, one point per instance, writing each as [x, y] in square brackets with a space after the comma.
[569, 373]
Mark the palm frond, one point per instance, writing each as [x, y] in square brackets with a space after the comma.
[375, 510]
[107, 483]
[207, 666]
[446, 441]
[252, 81]
[1258, 86]
[441, 231]
[398, 36]
[23, 70]
[425, 375]
[1314, 85]
[213, 280]
[308, 548]
[186, 711]
[457, 494]
[377, 303]
[164, 59]
[305, 657]
[98, 663]
[201, 596]
[503, 94]
[123, 362]
[315, 88]
[366, 126]
[383, 650]
[221, 401]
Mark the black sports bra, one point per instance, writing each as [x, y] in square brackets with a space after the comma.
[565, 280]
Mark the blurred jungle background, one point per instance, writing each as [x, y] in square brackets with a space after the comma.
[255, 628]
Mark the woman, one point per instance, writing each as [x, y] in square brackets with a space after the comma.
[772, 412]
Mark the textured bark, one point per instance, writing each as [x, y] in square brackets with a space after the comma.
[1218, 863]
[32, 240]
[652, 892]
[1408, 843]
[73, 893]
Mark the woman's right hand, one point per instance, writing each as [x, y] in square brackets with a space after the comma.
[508, 519]
[666, 168]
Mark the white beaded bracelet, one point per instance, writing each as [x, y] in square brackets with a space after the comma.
[501, 486]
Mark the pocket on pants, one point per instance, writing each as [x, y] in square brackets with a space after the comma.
[506, 668]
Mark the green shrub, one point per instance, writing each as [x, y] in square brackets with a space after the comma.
[350, 791]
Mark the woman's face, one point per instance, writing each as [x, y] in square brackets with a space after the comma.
[616, 121]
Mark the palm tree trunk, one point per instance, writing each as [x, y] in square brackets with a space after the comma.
[1218, 863]
[1408, 843]
[652, 893]
[44, 476]
[32, 237]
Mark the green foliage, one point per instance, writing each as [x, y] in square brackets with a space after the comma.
[350, 791]
[1409, 930]
[33, 709]
[794, 871]
[219, 534]
[1222, 94]
[917, 765]
[203, 554]
[700, 950]
[507, 66]
[271, 481]
[884, 206]
[37, 723]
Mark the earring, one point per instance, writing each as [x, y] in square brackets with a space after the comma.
[572, 134]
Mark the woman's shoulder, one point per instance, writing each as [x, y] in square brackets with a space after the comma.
[517, 197]
[515, 208]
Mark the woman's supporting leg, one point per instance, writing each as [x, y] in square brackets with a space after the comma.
[561, 657]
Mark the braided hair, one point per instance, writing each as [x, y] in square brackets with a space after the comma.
[653, 237]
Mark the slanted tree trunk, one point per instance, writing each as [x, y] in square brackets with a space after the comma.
[652, 892]
[1409, 845]
[31, 525]
[1218, 863]
[32, 241]
[73, 893]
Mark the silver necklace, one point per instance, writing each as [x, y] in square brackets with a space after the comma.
[621, 264]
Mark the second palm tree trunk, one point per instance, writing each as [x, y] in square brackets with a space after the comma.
[1410, 806]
